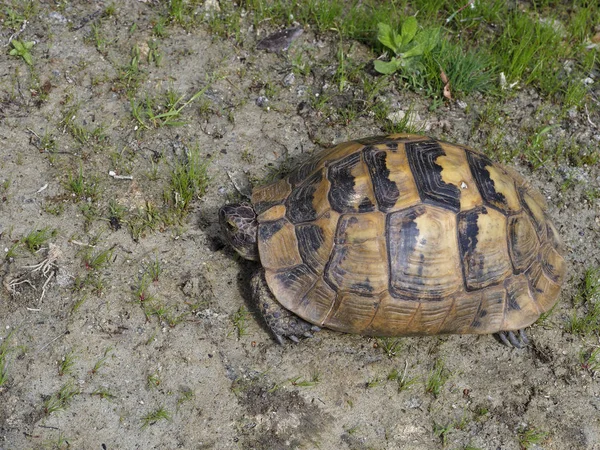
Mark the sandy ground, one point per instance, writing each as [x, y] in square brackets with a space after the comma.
[186, 358]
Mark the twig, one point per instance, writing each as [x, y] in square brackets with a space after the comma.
[14, 35]
[113, 174]
[53, 340]
[81, 244]
[587, 113]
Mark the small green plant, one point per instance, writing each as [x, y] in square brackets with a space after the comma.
[374, 382]
[151, 113]
[130, 76]
[314, 379]
[153, 381]
[185, 395]
[98, 38]
[437, 378]
[61, 399]
[5, 349]
[78, 304]
[528, 437]
[408, 47]
[37, 238]
[153, 417]
[81, 187]
[155, 56]
[404, 382]
[101, 361]
[103, 393]
[12, 252]
[239, 321]
[141, 292]
[442, 431]
[65, 365]
[96, 260]
[116, 214]
[159, 28]
[390, 346]
[21, 49]
[189, 179]
[588, 297]
[590, 359]
[144, 219]
[154, 270]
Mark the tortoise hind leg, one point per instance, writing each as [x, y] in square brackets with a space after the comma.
[281, 322]
[509, 338]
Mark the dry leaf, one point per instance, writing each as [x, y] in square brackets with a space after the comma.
[446, 81]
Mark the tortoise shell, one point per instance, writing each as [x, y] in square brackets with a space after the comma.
[407, 235]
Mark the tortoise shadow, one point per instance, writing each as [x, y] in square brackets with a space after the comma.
[208, 221]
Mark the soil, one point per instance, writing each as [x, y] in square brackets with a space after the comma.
[215, 370]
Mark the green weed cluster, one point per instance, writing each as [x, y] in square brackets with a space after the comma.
[528, 46]
[586, 317]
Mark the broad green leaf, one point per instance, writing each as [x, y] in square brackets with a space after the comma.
[385, 35]
[412, 52]
[415, 51]
[387, 68]
[409, 29]
[428, 39]
[18, 45]
[27, 57]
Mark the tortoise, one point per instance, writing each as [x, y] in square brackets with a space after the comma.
[399, 235]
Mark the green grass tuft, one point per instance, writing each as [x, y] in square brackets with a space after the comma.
[189, 180]
[586, 317]
[61, 399]
[437, 378]
[153, 417]
[65, 365]
[5, 350]
[528, 437]
[240, 319]
[36, 239]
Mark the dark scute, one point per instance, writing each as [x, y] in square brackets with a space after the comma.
[366, 205]
[310, 238]
[261, 207]
[300, 174]
[341, 193]
[364, 287]
[342, 228]
[266, 230]
[539, 226]
[299, 205]
[292, 277]
[428, 175]
[386, 191]
[485, 184]
[468, 231]
[512, 301]
[403, 245]
[333, 268]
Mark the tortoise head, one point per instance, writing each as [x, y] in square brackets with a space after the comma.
[239, 225]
